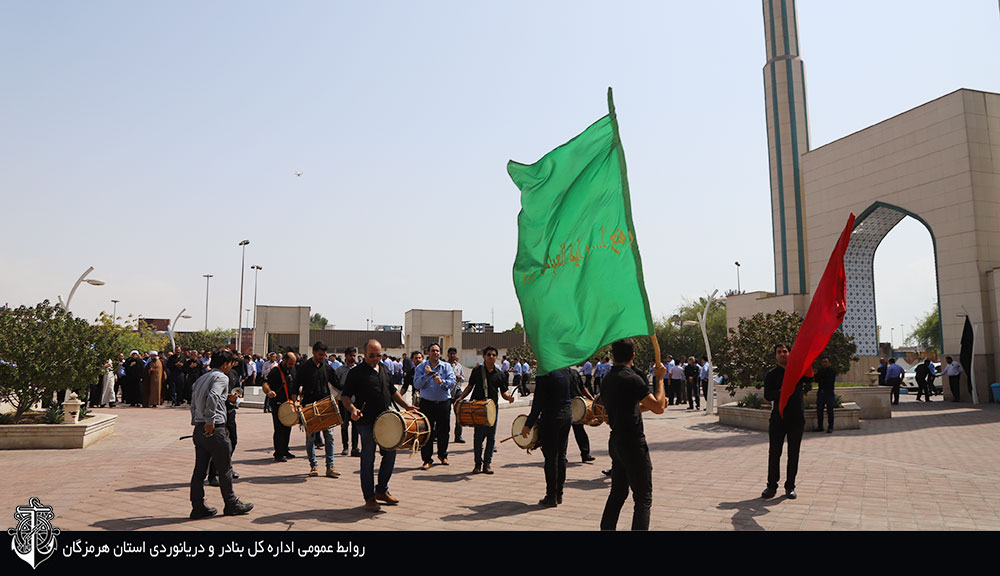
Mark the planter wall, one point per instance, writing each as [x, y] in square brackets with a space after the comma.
[56, 436]
[872, 400]
[846, 418]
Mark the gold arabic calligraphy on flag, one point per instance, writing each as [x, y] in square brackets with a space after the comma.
[572, 253]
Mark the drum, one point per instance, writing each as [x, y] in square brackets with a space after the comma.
[288, 413]
[587, 411]
[529, 443]
[402, 430]
[476, 413]
[320, 415]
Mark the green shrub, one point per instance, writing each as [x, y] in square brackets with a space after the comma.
[751, 400]
[6, 418]
[54, 414]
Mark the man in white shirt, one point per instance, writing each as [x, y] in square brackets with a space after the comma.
[457, 390]
[953, 370]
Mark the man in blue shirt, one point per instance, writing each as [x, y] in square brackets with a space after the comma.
[434, 379]
[588, 374]
[894, 377]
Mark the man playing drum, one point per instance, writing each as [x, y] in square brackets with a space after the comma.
[551, 409]
[367, 393]
[623, 392]
[486, 382]
[280, 387]
[315, 376]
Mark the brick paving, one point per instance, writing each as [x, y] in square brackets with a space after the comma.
[931, 467]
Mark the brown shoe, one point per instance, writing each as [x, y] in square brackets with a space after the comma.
[372, 505]
[425, 466]
[313, 471]
[444, 461]
[387, 498]
[331, 472]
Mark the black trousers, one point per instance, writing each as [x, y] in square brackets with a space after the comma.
[692, 391]
[676, 391]
[582, 440]
[632, 470]
[791, 426]
[554, 434]
[824, 399]
[588, 383]
[208, 449]
[953, 382]
[281, 436]
[233, 438]
[439, 415]
[487, 434]
[345, 418]
[895, 383]
[458, 429]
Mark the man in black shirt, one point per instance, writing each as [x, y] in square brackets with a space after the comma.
[552, 410]
[924, 376]
[487, 381]
[692, 376]
[625, 395]
[280, 387]
[826, 378]
[314, 378]
[367, 393]
[791, 425]
[193, 369]
[578, 388]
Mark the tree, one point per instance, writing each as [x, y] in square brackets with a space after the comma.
[927, 333]
[748, 353]
[517, 328]
[317, 322]
[204, 339]
[133, 335]
[44, 349]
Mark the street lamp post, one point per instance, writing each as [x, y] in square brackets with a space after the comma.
[738, 276]
[253, 340]
[114, 311]
[243, 265]
[892, 336]
[83, 278]
[207, 278]
[173, 326]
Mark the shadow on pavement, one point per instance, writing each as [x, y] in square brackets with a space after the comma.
[138, 523]
[492, 510]
[290, 479]
[156, 487]
[601, 483]
[748, 510]
[337, 516]
[447, 478]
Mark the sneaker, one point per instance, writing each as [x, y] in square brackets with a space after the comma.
[589, 458]
[768, 493]
[313, 471]
[203, 512]
[372, 505]
[487, 470]
[237, 508]
[387, 498]
[331, 472]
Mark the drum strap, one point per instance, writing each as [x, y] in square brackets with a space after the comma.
[284, 382]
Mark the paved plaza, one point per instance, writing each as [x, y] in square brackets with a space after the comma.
[931, 467]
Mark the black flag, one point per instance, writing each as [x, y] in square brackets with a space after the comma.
[965, 356]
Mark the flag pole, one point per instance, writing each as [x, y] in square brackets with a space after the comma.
[656, 350]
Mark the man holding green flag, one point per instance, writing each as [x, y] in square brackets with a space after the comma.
[578, 274]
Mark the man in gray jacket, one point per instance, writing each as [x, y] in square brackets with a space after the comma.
[211, 439]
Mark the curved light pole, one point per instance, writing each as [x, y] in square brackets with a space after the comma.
[207, 278]
[173, 326]
[114, 313]
[239, 329]
[702, 320]
[738, 277]
[83, 278]
[253, 341]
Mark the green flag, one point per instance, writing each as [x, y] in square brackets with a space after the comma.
[578, 274]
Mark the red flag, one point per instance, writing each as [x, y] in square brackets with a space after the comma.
[826, 312]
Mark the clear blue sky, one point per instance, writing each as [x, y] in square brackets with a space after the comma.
[148, 138]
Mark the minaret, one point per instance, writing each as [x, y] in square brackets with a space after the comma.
[787, 139]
